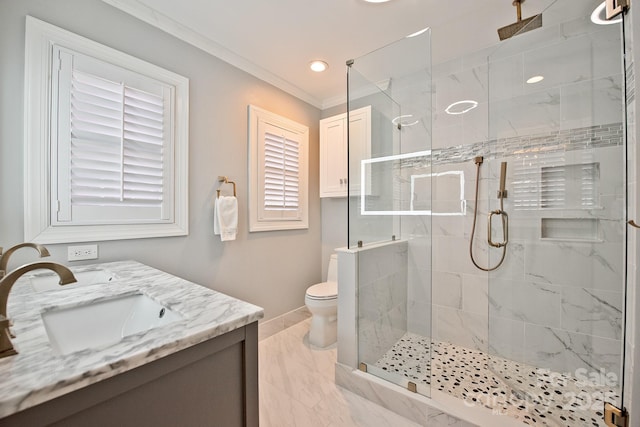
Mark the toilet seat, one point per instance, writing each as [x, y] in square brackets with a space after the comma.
[323, 291]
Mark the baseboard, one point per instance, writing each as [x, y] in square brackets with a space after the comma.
[278, 324]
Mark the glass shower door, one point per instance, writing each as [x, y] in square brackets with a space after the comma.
[556, 305]
[389, 209]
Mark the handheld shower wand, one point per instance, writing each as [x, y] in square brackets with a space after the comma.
[502, 194]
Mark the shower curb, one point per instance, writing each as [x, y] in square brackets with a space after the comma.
[439, 410]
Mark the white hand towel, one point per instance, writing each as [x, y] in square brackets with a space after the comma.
[225, 217]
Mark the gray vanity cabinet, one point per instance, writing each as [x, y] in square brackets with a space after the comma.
[214, 383]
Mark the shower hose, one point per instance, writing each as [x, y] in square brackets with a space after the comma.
[473, 227]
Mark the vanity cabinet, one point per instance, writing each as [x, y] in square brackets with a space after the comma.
[214, 383]
[335, 153]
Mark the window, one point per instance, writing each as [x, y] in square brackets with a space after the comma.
[278, 172]
[106, 142]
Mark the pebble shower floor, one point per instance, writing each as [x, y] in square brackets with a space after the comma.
[538, 397]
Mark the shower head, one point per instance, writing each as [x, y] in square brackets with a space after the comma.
[521, 25]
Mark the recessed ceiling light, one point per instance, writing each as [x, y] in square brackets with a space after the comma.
[535, 79]
[377, 1]
[599, 16]
[461, 107]
[318, 66]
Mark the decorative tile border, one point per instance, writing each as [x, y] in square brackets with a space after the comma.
[590, 137]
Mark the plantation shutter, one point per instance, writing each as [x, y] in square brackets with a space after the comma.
[112, 162]
[280, 173]
[281, 180]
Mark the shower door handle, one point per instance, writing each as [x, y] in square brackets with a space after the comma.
[505, 228]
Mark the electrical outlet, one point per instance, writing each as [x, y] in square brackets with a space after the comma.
[79, 253]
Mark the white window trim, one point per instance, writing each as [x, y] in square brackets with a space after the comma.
[256, 116]
[40, 37]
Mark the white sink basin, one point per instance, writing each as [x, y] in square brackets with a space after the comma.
[104, 322]
[48, 281]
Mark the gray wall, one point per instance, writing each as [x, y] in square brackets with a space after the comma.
[333, 212]
[270, 269]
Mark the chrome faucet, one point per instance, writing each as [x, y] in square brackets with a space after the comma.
[7, 282]
[4, 257]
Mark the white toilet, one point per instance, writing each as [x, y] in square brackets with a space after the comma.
[322, 301]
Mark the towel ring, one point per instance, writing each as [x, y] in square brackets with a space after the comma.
[225, 180]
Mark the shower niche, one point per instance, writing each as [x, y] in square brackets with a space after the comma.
[565, 196]
[571, 229]
[572, 187]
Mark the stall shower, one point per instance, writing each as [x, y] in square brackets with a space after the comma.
[513, 303]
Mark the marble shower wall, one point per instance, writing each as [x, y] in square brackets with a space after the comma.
[556, 302]
[382, 298]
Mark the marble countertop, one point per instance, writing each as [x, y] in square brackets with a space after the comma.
[38, 374]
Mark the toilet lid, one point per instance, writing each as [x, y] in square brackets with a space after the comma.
[324, 290]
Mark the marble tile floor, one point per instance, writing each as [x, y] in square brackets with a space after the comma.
[531, 395]
[297, 387]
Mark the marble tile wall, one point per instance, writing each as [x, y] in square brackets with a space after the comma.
[382, 298]
[419, 253]
[579, 62]
[554, 303]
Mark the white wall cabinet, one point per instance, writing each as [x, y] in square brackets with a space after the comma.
[334, 173]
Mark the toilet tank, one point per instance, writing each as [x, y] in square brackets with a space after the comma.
[332, 272]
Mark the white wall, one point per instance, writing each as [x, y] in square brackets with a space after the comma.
[270, 269]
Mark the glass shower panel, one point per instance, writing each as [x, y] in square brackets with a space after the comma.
[556, 117]
[390, 210]
[370, 184]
